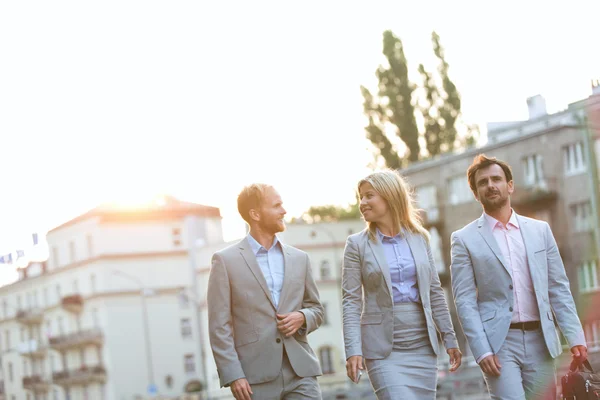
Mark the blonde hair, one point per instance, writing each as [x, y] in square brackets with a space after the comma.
[251, 197]
[399, 197]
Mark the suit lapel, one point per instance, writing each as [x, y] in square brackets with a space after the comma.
[415, 244]
[488, 236]
[250, 258]
[377, 249]
[287, 272]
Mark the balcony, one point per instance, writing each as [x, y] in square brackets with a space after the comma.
[82, 376]
[535, 195]
[77, 339]
[32, 348]
[30, 317]
[36, 384]
[73, 303]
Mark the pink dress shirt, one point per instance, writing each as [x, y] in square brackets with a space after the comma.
[510, 242]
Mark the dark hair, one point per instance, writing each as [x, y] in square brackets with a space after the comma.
[251, 197]
[482, 161]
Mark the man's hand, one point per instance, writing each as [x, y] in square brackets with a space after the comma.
[289, 323]
[455, 358]
[491, 365]
[241, 389]
[579, 354]
[353, 364]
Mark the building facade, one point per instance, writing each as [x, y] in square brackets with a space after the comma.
[111, 314]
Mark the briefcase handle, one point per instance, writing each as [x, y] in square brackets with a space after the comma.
[581, 366]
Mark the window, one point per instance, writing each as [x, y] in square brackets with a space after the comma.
[588, 276]
[459, 191]
[532, 166]
[55, 258]
[573, 160]
[48, 328]
[426, 197]
[189, 364]
[582, 216]
[10, 372]
[90, 246]
[61, 329]
[22, 331]
[326, 360]
[72, 253]
[176, 236]
[95, 319]
[325, 270]
[93, 283]
[7, 338]
[325, 319]
[75, 287]
[35, 299]
[592, 334]
[25, 368]
[186, 328]
[19, 305]
[184, 300]
[45, 297]
[58, 294]
[4, 308]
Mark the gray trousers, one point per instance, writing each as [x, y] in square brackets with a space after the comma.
[287, 385]
[528, 370]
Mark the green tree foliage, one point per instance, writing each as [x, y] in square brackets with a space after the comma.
[393, 109]
[331, 213]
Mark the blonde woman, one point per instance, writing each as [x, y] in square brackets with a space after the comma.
[392, 297]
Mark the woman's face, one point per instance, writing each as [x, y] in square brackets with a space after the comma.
[373, 207]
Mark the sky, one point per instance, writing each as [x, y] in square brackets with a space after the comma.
[122, 100]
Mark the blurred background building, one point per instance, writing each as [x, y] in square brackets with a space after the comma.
[118, 310]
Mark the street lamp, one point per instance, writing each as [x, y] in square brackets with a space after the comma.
[194, 243]
[143, 293]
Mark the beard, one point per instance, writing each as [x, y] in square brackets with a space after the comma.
[273, 226]
[490, 205]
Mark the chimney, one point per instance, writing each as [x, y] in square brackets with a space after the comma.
[595, 86]
[537, 106]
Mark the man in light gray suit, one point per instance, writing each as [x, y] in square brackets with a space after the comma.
[510, 287]
[262, 304]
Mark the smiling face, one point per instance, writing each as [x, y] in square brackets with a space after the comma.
[269, 216]
[373, 207]
[492, 189]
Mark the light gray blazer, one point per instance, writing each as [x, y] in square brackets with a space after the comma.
[242, 323]
[368, 303]
[482, 286]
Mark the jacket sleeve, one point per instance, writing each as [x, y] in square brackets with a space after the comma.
[220, 324]
[439, 307]
[311, 305]
[352, 294]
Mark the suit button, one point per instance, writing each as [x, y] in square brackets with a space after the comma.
[510, 309]
[278, 340]
[510, 287]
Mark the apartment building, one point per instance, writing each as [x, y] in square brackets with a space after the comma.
[553, 157]
[111, 315]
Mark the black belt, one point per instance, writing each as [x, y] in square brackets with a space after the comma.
[526, 326]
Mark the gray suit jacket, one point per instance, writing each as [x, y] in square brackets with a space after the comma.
[368, 304]
[482, 286]
[242, 323]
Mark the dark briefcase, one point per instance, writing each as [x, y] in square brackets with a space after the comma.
[581, 384]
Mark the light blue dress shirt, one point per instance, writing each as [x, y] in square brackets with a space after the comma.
[271, 263]
[403, 269]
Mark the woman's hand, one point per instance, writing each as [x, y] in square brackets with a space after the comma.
[353, 365]
[455, 358]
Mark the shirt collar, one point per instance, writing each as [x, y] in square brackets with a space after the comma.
[381, 236]
[255, 246]
[493, 222]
